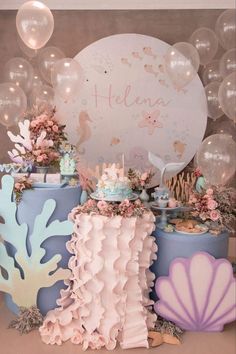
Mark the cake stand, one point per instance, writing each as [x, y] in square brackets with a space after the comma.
[113, 199]
[163, 218]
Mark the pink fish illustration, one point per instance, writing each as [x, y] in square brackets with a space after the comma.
[125, 61]
[114, 141]
[163, 83]
[136, 55]
[83, 129]
[150, 121]
[149, 69]
[148, 51]
[161, 68]
[179, 148]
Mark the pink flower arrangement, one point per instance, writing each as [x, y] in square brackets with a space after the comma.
[126, 208]
[204, 205]
[22, 184]
[140, 180]
[39, 140]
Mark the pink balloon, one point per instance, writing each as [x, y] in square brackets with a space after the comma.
[20, 72]
[47, 57]
[67, 78]
[206, 43]
[212, 72]
[13, 103]
[227, 96]
[34, 23]
[228, 62]
[214, 108]
[226, 28]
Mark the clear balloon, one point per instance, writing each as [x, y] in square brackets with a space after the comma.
[217, 159]
[28, 52]
[42, 96]
[67, 78]
[47, 57]
[34, 23]
[227, 96]
[182, 63]
[20, 72]
[212, 72]
[214, 108]
[13, 103]
[226, 28]
[206, 43]
[228, 62]
[37, 81]
[223, 125]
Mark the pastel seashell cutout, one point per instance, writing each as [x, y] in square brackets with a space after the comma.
[199, 294]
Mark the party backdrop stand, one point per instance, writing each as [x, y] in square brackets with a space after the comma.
[107, 299]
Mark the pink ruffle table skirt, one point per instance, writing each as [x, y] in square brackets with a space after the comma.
[107, 298]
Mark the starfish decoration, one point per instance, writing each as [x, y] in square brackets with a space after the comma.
[150, 120]
[159, 338]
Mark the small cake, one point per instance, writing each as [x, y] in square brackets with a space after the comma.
[113, 185]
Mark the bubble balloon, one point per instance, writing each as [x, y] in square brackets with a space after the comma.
[47, 57]
[228, 62]
[182, 63]
[214, 108]
[20, 72]
[217, 159]
[212, 72]
[226, 28]
[67, 78]
[28, 52]
[206, 43]
[13, 103]
[37, 81]
[223, 125]
[227, 96]
[42, 96]
[34, 23]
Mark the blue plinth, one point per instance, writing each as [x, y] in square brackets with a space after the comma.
[173, 245]
[30, 206]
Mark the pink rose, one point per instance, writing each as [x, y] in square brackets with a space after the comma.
[17, 185]
[55, 128]
[209, 191]
[215, 215]
[50, 123]
[144, 176]
[90, 203]
[212, 204]
[39, 158]
[102, 205]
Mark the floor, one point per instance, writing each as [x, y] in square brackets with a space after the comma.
[193, 343]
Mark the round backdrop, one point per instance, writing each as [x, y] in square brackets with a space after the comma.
[128, 105]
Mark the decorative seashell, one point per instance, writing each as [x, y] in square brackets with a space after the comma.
[199, 293]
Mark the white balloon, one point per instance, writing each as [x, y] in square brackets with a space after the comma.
[35, 23]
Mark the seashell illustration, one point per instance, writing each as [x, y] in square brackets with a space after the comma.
[199, 293]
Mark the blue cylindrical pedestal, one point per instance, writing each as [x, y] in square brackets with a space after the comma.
[173, 245]
[30, 206]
